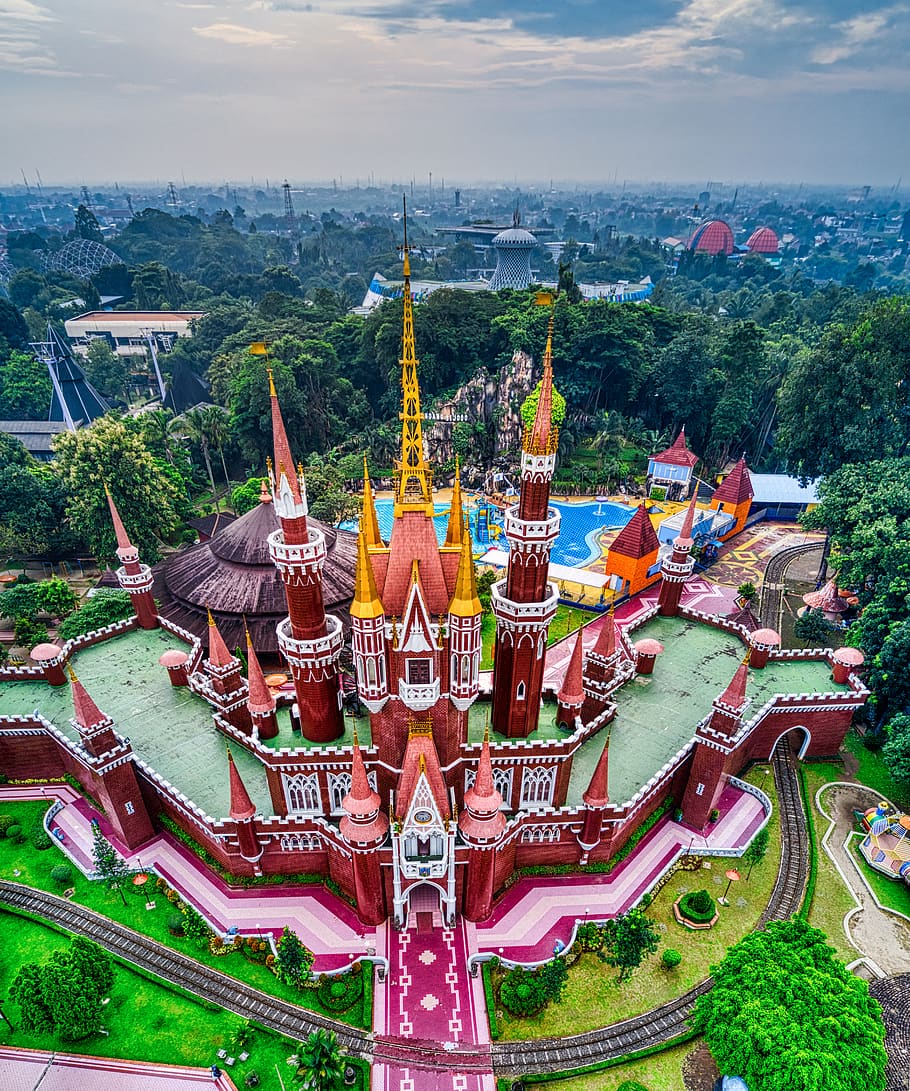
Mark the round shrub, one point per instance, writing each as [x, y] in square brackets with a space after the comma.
[697, 906]
[62, 874]
[340, 993]
[670, 958]
[175, 924]
[40, 838]
[590, 937]
[522, 992]
[6, 820]
[15, 834]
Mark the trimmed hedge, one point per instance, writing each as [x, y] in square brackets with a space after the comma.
[341, 992]
[698, 906]
[486, 969]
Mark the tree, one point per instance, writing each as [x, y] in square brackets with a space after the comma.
[784, 1013]
[321, 1064]
[105, 607]
[194, 425]
[93, 964]
[629, 937]
[86, 226]
[108, 452]
[195, 927]
[757, 849]
[889, 675]
[56, 597]
[105, 370]
[25, 388]
[27, 992]
[896, 750]
[32, 505]
[294, 960]
[245, 497]
[110, 867]
[813, 629]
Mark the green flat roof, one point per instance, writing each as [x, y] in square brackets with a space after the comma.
[657, 714]
[293, 740]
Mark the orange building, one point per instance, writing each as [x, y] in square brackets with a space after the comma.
[632, 558]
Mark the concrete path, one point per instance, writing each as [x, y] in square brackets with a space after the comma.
[879, 934]
[26, 1069]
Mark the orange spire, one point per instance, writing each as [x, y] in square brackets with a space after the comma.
[369, 521]
[260, 698]
[219, 655]
[85, 712]
[242, 807]
[265, 497]
[123, 539]
[366, 602]
[572, 690]
[544, 434]
[465, 602]
[597, 793]
[455, 528]
[284, 460]
[685, 534]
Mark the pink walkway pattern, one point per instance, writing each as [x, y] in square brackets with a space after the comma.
[25, 1069]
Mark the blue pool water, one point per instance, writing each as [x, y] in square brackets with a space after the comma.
[579, 528]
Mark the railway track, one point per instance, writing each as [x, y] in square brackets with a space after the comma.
[652, 1028]
[772, 586]
[669, 1021]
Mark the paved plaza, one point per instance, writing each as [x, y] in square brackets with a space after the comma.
[27, 1069]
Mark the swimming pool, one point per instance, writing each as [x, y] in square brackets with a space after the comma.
[579, 527]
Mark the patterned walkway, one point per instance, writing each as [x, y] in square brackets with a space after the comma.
[25, 1069]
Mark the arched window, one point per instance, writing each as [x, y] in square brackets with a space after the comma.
[520, 692]
[299, 842]
[537, 835]
[537, 785]
[465, 670]
[371, 672]
[302, 793]
[339, 786]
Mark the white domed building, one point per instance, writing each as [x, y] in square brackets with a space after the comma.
[513, 257]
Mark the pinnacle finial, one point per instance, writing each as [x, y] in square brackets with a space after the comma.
[273, 393]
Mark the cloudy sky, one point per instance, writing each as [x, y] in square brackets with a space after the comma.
[786, 90]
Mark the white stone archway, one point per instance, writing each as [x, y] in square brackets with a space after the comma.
[807, 738]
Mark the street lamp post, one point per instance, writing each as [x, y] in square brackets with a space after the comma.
[733, 876]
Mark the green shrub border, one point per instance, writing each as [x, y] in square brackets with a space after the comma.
[694, 915]
[813, 846]
[367, 969]
[602, 1066]
[489, 995]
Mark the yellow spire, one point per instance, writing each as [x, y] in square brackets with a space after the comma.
[369, 523]
[465, 602]
[415, 480]
[273, 393]
[366, 603]
[453, 530]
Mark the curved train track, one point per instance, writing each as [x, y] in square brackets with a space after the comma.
[772, 586]
[653, 1028]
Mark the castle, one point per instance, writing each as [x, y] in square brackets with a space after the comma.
[451, 783]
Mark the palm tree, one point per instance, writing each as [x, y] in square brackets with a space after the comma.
[156, 427]
[217, 421]
[193, 425]
[321, 1064]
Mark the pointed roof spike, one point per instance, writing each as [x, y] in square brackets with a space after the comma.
[219, 655]
[369, 521]
[482, 797]
[734, 696]
[571, 692]
[242, 807]
[260, 699]
[685, 534]
[736, 487]
[361, 801]
[637, 538]
[455, 526]
[678, 453]
[465, 600]
[123, 539]
[265, 497]
[597, 793]
[85, 712]
[544, 432]
[284, 460]
[605, 645]
[366, 602]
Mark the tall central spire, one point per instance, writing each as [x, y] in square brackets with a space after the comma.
[415, 485]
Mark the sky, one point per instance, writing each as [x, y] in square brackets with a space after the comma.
[584, 90]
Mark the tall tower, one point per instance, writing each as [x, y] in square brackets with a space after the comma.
[134, 578]
[524, 603]
[310, 640]
[677, 568]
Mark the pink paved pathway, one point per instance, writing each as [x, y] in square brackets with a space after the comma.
[25, 1069]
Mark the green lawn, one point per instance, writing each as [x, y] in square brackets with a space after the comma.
[660, 1072]
[592, 997]
[892, 893]
[147, 1021]
[35, 870]
[874, 773]
[566, 620]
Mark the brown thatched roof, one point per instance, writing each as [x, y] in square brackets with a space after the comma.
[233, 575]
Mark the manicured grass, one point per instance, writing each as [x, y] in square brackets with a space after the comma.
[592, 997]
[874, 773]
[566, 620]
[35, 870]
[147, 1021]
[832, 899]
[892, 893]
[660, 1072]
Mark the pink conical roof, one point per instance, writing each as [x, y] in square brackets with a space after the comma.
[361, 801]
[605, 645]
[736, 487]
[123, 539]
[219, 655]
[734, 696]
[482, 796]
[597, 794]
[637, 538]
[284, 460]
[242, 807]
[827, 599]
[260, 698]
[572, 690]
[685, 534]
[85, 712]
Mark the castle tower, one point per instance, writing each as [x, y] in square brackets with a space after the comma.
[599, 671]
[524, 603]
[134, 578]
[242, 812]
[108, 758]
[482, 825]
[260, 702]
[227, 689]
[734, 496]
[464, 636]
[596, 797]
[714, 743]
[571, 694]
[677, 567]
[364, 827]
[633, 553]
[310, 640]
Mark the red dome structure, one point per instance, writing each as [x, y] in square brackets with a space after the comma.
[763, 240]
[713, 237]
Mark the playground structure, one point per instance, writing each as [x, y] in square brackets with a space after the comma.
[886, 846]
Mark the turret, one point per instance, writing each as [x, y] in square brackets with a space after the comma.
[310, 640]
[455, 526]
[134, 578]
[482, 825]
[677, 567]
[596, 797]
[260, 702]
[465, 642]
[571, 694]
[734, 496]
[364, 827]
[96, 728]
[368, 631]
[227, 688]
[242, 812]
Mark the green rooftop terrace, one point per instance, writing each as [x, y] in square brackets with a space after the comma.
[170, 729]
[657, 714]
[288, 739]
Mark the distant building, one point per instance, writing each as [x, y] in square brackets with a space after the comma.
[36, 436]
[713, 237]
[513, 257]
[783, 497]
[672, 469]
[763, 240]
[128, 332]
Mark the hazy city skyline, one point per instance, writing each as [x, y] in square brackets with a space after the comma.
[813, 91]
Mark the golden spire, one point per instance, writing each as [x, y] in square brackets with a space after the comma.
[453, 530]
[369, 522]
[366, 602]
[415, 481]
[465, 602]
